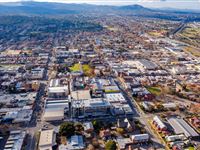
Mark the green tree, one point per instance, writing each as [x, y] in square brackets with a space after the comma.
[97, 125]
[67, 129]
[110, 145]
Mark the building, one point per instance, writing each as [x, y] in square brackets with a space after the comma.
[171, 138]
[159, 124]
[47, 140]
[53, 114]
[90, 108]
[181, 127]
[15, 140]
[125, 124]
[80, 95]
[57, 103]
[139, 138]
[123, 143]
[146, 64]
[116, 98]
[58, 90]
[74, 143]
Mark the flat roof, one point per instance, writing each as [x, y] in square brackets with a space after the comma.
[54, 113]
[60, 89]
[46, 138]
[81, 94]
[91, 103]
[115, 97]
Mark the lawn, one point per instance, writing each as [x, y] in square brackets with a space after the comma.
[87, 69]
[75, 67]
[154, 90]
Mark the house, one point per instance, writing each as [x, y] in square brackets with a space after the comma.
[195, 122]
[125, 124]
[47, 140]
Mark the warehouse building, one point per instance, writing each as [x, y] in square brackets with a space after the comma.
[53, 114]
[181, 127]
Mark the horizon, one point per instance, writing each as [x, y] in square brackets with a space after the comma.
[174, 4]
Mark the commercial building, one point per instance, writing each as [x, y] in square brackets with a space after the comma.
[47, 140]
[53, 114]
[58, 90]
[116, 98]
[90, 108]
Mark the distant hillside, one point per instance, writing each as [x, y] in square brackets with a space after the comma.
[45, 8]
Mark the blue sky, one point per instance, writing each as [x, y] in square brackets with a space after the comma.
[181, 4]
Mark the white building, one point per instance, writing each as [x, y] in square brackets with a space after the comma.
[159, 124]
[91, 107]
[47, 140]
[138, 138]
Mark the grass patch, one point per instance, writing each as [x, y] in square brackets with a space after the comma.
[75, 67]
[154, 90]
[111, 91]
[190, 148]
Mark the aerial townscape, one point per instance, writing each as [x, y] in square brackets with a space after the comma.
[98, 77]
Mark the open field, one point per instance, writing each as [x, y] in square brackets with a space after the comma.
[154, 90]
[193, 51]
[190, 35]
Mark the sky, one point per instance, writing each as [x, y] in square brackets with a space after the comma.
[180, 4]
